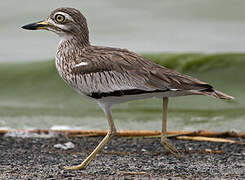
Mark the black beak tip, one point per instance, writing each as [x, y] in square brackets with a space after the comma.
[29, 27]
[23, 27]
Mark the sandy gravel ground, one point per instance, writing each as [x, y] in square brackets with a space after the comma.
[123, 158]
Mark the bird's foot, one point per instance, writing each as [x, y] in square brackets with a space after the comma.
[83, 165]
[167, 145]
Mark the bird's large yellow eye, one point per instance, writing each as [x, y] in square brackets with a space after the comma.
[60, 18]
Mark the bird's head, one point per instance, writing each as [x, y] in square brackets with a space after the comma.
[66, 22]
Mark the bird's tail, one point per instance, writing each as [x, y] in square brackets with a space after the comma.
[217, 94]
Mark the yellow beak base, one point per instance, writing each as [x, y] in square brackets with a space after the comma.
[36, 26]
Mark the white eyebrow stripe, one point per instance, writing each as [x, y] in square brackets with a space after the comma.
[81, 64]
[66, 15]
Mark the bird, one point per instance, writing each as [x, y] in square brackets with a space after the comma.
[114, 75]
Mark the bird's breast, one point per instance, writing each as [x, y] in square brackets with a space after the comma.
[64, 69]
[82, 83]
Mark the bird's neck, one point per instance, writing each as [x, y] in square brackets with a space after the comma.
[73, 42]
[69, 47]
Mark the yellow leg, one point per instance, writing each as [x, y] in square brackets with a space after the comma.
[164, 141]
[109, 135]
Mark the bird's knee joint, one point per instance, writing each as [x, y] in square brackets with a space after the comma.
[112, 132]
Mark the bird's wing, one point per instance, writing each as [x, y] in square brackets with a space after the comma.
[119, 69]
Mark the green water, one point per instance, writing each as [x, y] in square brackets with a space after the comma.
[32, 95]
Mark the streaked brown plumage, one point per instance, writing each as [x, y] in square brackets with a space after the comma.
[113, 75]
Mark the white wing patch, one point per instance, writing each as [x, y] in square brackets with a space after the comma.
[81, 64]
[174, 89]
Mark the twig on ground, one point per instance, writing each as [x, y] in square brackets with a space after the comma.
[77, 133]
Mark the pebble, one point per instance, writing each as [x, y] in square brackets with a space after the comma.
[65, 146]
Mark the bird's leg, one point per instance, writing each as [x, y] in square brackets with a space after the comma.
[109, 135]
[164, 141]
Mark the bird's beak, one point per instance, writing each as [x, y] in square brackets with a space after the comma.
[38, 25]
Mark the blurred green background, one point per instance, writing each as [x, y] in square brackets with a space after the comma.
[33, 95]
